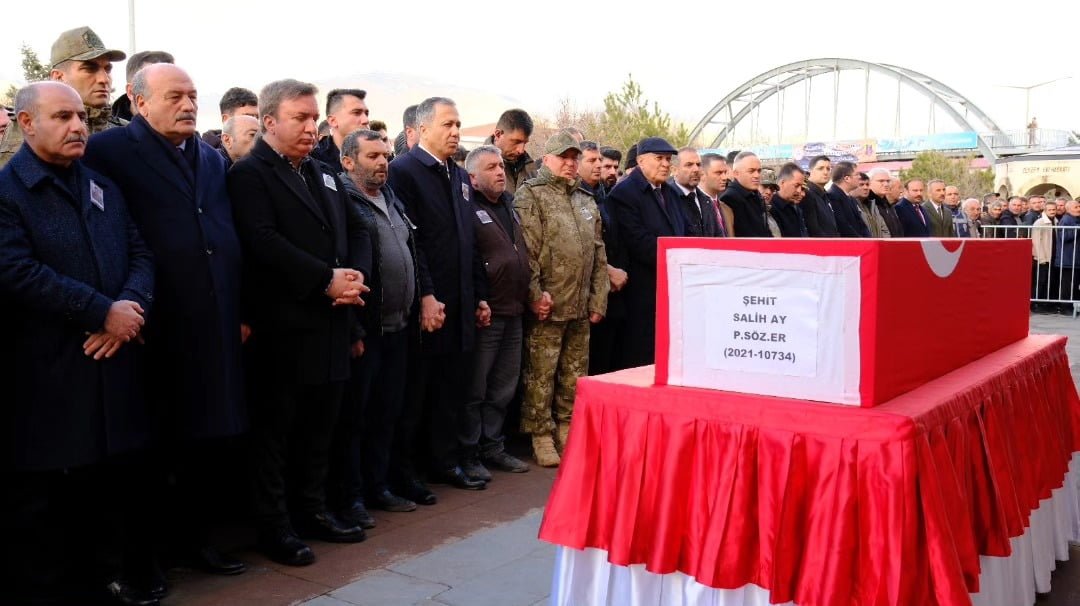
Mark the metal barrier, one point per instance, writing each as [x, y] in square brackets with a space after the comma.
[1055, 261]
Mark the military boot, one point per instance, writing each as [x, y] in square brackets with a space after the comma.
[564, 433]
[544, 450]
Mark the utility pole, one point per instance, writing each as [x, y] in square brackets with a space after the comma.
[131, 27]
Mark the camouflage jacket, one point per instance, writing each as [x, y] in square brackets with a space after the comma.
[97, 119]
[564, 237]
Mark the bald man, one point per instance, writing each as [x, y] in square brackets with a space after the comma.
[77, 279]
[175, 183]
[238, 137]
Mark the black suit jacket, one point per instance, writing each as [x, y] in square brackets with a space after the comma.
[641, 220]
[613, 248]
[294, 233]
[749, 210]
[820, 219]
[849, 221]
[790, 218]
[909, 214]
[698, 211]
[327, 151]
[450, 266]
[185, 216]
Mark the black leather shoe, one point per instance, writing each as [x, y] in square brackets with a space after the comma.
[284, 547]
[356, 515]
[388, 501]
[208, 559]
[325, 527]
[457, 478]
[474, 470]
[504, 461]
[121, 593]
[417, 492]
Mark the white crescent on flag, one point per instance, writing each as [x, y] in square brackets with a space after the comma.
[941, 260]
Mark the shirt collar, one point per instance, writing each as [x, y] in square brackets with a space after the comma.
[685, 191]
[437, 161]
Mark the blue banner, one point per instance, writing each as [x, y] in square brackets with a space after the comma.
[938, 141]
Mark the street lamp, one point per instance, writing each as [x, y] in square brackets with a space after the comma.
[1027, 94]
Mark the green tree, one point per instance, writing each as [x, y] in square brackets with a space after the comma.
[629, 117]
[33, 71]
[973, 183]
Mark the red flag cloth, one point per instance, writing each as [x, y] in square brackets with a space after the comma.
[821, 504]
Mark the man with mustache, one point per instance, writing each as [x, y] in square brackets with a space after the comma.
[496, 364]
[307, 258]
[79, 59]
[175, 185]
[376, 388]
[78, 280]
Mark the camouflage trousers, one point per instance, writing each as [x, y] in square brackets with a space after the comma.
[556, 354]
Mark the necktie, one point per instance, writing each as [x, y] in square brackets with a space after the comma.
[692, 197]
[719, 217]
[659, 198]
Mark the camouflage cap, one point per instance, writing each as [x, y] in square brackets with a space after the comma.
[559, 143]
[81, 44]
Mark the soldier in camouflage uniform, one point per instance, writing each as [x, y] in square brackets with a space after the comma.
[79, 58]
[568, 289]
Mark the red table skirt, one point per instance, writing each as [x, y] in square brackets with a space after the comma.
[820, 504]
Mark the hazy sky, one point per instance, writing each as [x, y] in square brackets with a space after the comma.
[686, 55]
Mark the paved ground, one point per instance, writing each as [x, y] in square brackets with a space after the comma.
[471, 549]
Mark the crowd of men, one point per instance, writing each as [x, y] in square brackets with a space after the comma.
[365, 312]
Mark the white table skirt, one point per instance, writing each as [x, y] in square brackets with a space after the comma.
[586, 578]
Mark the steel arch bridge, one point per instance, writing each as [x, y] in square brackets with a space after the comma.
[741, 103]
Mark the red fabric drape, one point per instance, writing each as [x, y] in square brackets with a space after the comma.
[821, 504]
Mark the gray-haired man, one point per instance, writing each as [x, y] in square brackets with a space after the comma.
[496, 363]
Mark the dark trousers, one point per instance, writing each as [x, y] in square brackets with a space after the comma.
[292, 427]
[1066, 287]
[435, 398]
[606, 346]
[370, 410]
[495, 370]
[64, 532]
[195, 488]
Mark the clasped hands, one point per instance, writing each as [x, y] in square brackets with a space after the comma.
[123, 323]
[346, 287]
